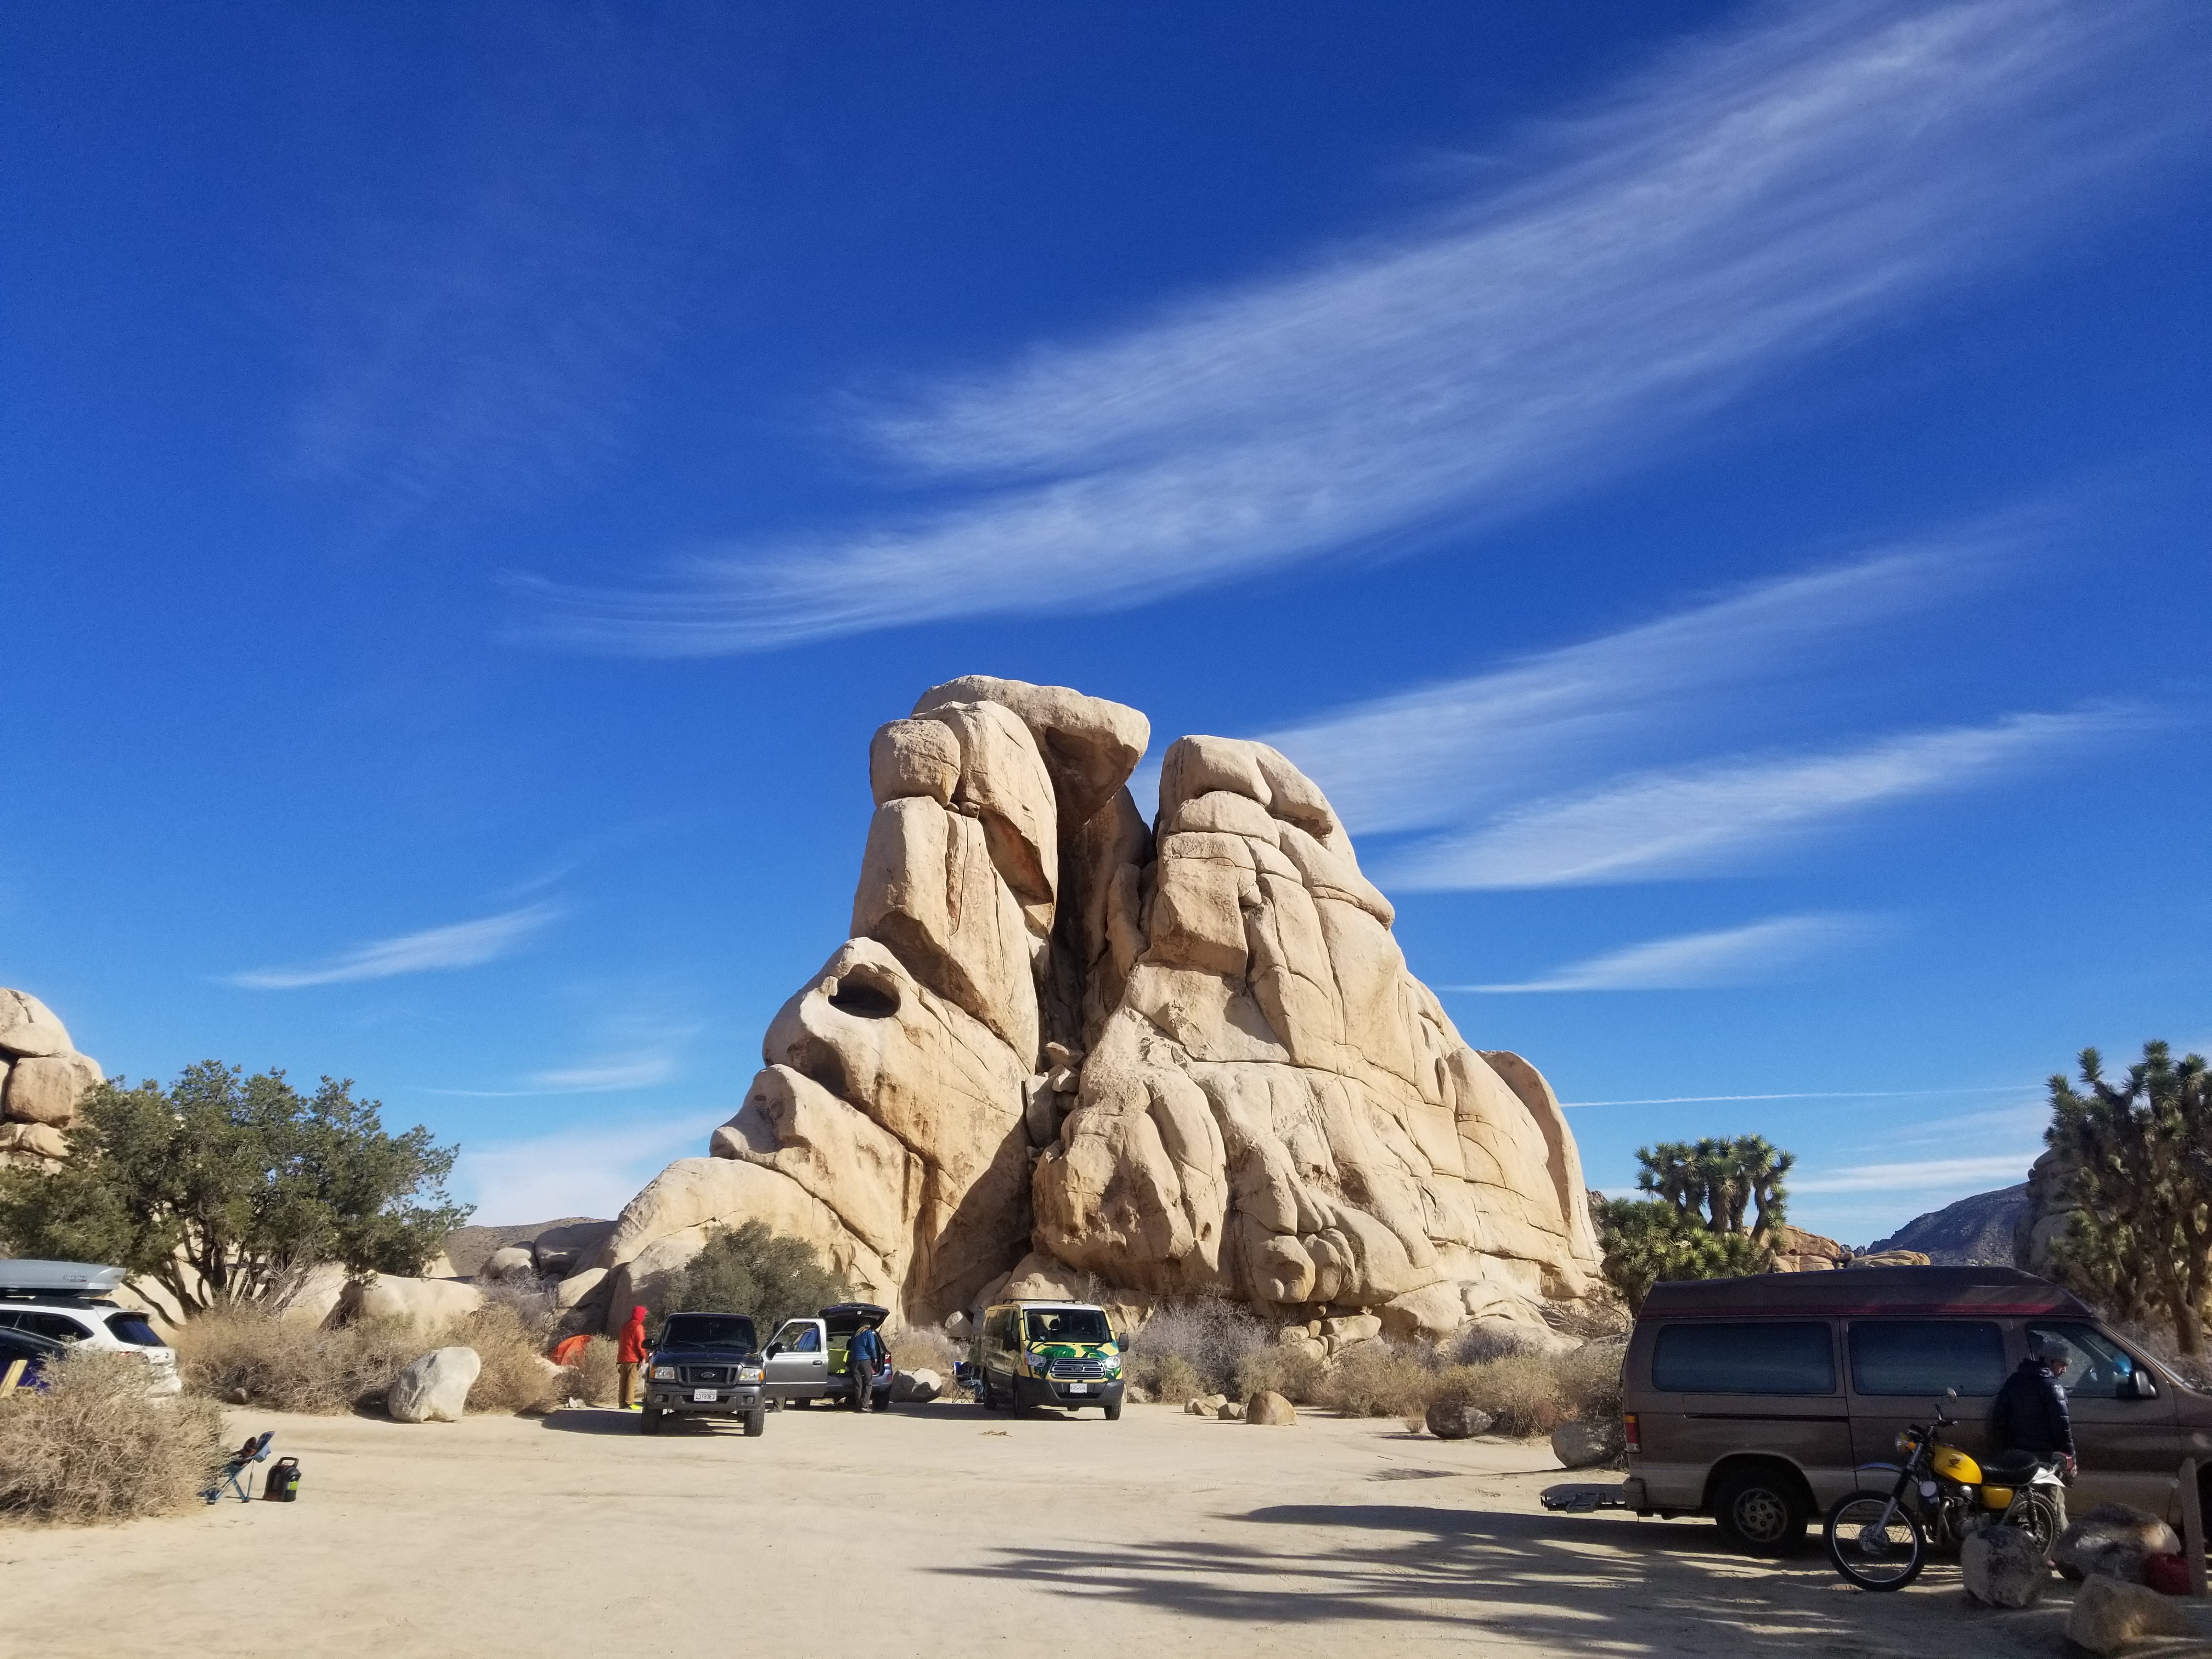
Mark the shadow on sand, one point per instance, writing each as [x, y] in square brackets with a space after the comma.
[1572, 1584]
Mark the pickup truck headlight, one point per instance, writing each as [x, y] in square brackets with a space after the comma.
[664, 1373]
[749, 1373]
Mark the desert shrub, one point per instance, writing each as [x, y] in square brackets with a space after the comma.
[516, 1375]
[1532, 1393]
[1168, 1378]
[248, 1356]
[929, 1348]
[1375, 1379]
[748, 1269]
[596, 1377]
[92, 1446]
[530, 1301]
[1295, 1373]
[1471, 1345]
[1210, 1337]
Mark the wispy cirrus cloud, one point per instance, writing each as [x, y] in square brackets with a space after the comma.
[1728, 814]
[1729, 956]
[1751, 201]
[459, 944]
[1922, 1176]
[1430, 756]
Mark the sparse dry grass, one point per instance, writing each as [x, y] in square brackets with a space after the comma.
[1295, 1373]
[598, 1373]
[1375, 1379]
[1532, 1393]
[92, 1446]
[1191, 1349]
[915, 1349]
[248, 1356]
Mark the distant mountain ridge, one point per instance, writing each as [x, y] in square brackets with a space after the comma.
[1975, 1232]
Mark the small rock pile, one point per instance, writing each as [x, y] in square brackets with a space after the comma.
[43, 1081]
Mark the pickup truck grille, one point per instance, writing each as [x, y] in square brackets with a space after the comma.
[706, 1376]
[1076, 1371]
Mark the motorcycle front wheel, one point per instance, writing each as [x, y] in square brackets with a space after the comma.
[1875, 1552]
[2035, 1514]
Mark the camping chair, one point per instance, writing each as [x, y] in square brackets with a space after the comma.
[237, 1474]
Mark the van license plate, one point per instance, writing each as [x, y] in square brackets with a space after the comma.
[1078, 1388]
[707, 1394]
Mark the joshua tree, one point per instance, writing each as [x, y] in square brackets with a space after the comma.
[1693, 1226]
[1715, 1181]
[2142, 1238]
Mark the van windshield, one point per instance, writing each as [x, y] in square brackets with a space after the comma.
[1066, 1325]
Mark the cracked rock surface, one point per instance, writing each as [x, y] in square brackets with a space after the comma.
[1065, 1051]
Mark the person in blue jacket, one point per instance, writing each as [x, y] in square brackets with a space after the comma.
[864, 1363]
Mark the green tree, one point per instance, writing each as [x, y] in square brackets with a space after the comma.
[748, 1269]
[1694, 1223]
[2141, 1155]
[1645, 1241]
[223, 1188]
[1716, 1183]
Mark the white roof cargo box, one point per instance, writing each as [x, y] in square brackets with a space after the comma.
[60, 1277]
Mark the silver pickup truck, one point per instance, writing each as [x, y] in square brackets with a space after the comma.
[806, 1360]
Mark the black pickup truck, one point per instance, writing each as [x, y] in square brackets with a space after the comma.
[705, 1364]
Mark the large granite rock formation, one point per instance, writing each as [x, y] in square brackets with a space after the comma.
[1063, 1046]
[43, 1080]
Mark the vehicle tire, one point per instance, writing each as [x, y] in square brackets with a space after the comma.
[1762, 1509]
[756, 1422]
[1113, 1411]
[649, 1420]
[1870, 1554]
[882, 1402]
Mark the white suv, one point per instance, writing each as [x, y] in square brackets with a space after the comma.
[83, 1315]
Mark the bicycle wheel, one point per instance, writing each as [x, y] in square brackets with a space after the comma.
[1874, 1545]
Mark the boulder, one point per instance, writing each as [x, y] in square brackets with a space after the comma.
[579, 1288]
[433, 1389]
[921, 1387]
[2113, 1540]
[37, 1140]
[510, 1262]
[48, 1089]
[1061, 1054]
[2108, 1615]
[1206, 1405]
[1269, 1408]
[315, 1297]
[425, 1303]
[1230, 1410]
[1455, 1419]
[1890, 1259]
[28, 1028]
[2004, 1567]
[1585, 1445]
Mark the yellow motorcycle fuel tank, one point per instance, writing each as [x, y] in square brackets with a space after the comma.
[1948, 1463]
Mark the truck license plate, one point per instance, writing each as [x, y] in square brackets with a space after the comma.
[702, 1394]
[1078, 1388]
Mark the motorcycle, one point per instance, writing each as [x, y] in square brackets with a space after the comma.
[1879, 1540]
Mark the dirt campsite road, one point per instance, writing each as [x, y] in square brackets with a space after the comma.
[938, 1529]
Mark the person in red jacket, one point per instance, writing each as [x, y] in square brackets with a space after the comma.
[631, 1352]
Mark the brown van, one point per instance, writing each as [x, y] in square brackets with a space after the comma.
[1756, 1401]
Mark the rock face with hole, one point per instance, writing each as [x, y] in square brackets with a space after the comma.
[43, 1082]
[1064, 1047]
[2004, 1567]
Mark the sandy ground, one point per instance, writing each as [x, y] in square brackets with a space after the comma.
[939, 1529]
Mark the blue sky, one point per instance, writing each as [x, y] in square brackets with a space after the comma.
[1716, 492]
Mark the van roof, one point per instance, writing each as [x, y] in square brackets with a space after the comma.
[1866, 1291]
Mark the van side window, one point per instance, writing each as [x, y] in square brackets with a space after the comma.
[1744, 1356]
[1927, 1356]
[2096, 1365]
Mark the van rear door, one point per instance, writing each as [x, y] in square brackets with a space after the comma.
[1725, 1388]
